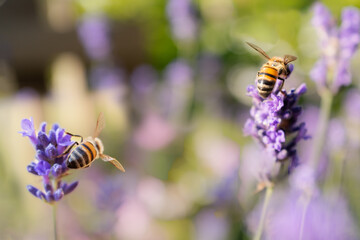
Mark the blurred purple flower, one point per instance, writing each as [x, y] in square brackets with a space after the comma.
[143, 82]
[154, 133]
[47, 163]
[323, 18]
[319, 72]
[304, 179]
[209, 68]
[273, 123]
[94, 33]
[134, 221]
[178, 73]
[256, 168]
[336, 138]
[225, 190]
[338, 45]
[326, 217]
[352, 109]
[210, 148]
[177, 88]
[210, 226]
[143, 79]
[352, 104]
[183, 20]
[104, 77]
[208, 88]
[111, 194]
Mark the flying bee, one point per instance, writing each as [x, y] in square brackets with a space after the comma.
[275, 68]
[86, 151]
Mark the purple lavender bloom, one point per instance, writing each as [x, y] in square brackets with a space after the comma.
[111, 194]
[105, 77]
[177, 89]
[178, 73]
[94, 33]
[210, 226]
[352, 104]
[144, 79]
[273, 123]
[338, 45]
[208, 85]
[143, 82]
[323, 18]
[209, 68]
[226, 188]
[326, 217]
[352, 110]
[182, 19]
[48, 163]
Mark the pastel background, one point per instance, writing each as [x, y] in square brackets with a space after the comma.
[171, 79]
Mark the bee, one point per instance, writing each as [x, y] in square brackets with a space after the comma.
[275, 68]
[86, 151]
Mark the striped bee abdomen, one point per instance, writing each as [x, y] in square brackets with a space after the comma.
[266, 80]
[82, 155]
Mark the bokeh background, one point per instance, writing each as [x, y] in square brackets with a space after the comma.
[170, 78]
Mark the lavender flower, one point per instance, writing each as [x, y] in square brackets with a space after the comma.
[177, 89]
[143, 80]
[338, 45]
[274, 123]
[110, 194]
[47, 163]
[326, 217]
[352, 110]
[182, 19]
[256, 168]
[94, 34]
[105, 77]
[352, 105]
[209, 226]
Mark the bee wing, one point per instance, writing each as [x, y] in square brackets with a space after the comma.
[262, 52]
[289, 58]
[113, 161]
[100, 124]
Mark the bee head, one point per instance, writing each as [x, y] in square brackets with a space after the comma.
[99, 145]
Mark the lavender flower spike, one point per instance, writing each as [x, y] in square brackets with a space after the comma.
[273, 123]
[337, 45]
[94, 33]
[47, 163]
[183, 20]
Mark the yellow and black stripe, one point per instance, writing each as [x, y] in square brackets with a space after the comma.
[82, 155]
[266, 80]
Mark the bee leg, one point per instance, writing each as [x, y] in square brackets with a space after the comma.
[278, 86]
[282, 84]
[73, 135]
[68, 149]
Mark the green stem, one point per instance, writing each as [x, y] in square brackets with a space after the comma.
[340, 163]
[54, 221]
[269, 190]
[303, 216]
[342, 175]
[319, 140]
